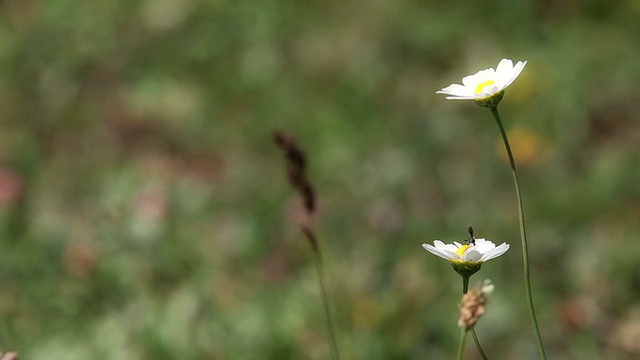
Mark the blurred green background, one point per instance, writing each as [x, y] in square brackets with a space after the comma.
[145, 214]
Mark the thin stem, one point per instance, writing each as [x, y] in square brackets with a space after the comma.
[323, 289]
[463, 341]
[475, 339]
[465, 284]
[523, 234]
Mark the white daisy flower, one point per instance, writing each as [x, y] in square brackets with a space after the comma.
[479, 251]
[486, 83]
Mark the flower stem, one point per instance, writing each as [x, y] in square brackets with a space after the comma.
[523, 234]
[465, 288]
[315, 245]
[463, 341]
[475, 340]
[465, 284]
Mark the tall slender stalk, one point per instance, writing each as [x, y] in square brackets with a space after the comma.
[296, 173]
[477, 342]
[333, 344]
[332, 336]
[463, 341]
[523, 234]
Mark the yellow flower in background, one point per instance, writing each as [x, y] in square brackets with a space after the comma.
[486, 86]
[527, 146]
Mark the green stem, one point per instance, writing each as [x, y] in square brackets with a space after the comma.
[465, 288]
[463, 341]
[321, 278]
[475, 339]
[465, 284]
[523, 234]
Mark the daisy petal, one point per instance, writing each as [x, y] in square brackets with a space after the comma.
[452, 248]
[504, 67]
[516, 72]
[484, 245]
[460, 97]
[439, 244]
[435, 251]
[446, 250]
[472, 255]
[496, 252]
[452, 254]
[456, 90]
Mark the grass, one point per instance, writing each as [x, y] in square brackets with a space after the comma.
[144, 214]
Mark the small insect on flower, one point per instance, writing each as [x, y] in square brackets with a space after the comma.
[471, 240]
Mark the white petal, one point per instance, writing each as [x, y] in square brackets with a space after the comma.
[505, 67]
[496, 252]
[452, 255]
[439, 244]
[472, 255]
[484, 245]
[456, 90]
[436, 251]
[448, 249]
[471, 81]
[470, 97]
[514, 74]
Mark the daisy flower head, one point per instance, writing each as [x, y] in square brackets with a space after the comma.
[477, 251]
[486, 86]
[468, 258]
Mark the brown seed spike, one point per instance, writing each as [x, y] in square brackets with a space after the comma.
[309, 196]
[294, 153]
[296, 166]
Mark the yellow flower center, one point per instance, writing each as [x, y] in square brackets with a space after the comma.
[482, 86]
[461, 250]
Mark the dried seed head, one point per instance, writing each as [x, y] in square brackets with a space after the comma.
[473, 305]
[296, 168]
[9, 356]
